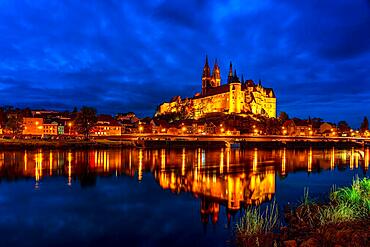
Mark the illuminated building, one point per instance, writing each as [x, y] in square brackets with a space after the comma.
[106, 126]
[33, 126]
[235, 97]
[50, 128]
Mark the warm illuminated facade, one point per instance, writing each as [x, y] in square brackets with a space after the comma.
[106, 126]
[235, 97]
[33, 126]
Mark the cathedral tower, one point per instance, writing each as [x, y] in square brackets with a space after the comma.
[216, 76]
[230, 76]
[206, 77]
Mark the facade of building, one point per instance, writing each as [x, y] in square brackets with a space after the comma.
[235, 97]
[33, 126]
[106, 126]
[50, 129]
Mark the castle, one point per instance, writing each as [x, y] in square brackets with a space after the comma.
[235, 97]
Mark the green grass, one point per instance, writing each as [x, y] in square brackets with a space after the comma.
[256, 222]
[348, 203]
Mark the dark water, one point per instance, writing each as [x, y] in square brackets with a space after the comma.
[154, 197]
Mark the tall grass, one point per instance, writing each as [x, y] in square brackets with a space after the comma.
[256, 222]
[348, 203]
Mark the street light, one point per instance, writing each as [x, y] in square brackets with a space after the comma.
[69, 127]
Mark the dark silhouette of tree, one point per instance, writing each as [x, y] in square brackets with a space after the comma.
[364, 125]
[75, 110]
[283, 117]
[343, 126]
[86, 120]
[14, 123]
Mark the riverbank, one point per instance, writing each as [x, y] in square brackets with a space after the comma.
[343, 221]
[16, 144]
[156, 143]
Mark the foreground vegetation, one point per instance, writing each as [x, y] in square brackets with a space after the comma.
[343, 221]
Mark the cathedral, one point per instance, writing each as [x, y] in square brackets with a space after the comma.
[235, 97]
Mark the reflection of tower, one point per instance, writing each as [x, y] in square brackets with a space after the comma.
[209, 209]
[233, 192]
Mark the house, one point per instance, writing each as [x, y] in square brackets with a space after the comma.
[159, 126]
[327, 129]
[297, 127]
[106, 125]
[50, 129]
[33, 126]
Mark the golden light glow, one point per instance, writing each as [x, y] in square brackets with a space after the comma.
[283, 162]
[69, 160]
[140, 170]
[255, 160]
[309, 165]
[222, 161]
[332, 159]
[366, 159]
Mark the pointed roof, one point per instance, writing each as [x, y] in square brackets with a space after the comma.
[206, 69]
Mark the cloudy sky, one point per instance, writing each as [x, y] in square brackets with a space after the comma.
[121, 56]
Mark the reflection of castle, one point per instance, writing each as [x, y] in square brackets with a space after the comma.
[215, 187]
[237, 96]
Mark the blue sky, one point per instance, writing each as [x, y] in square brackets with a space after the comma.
[121, 56]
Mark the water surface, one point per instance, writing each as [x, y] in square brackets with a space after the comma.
[139, 197]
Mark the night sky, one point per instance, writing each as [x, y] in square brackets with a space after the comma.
[121, 56]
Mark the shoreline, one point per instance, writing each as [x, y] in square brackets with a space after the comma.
[14, 144]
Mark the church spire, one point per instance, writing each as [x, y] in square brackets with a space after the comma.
[216, 77]
[230, 77]
[206, 77]
[206, 69]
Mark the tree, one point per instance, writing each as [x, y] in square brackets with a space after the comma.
[14, 123]
[85, 121]
[343, 126]
[364, 125]
[283, 117]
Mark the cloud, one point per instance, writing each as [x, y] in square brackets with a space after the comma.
[130, 56]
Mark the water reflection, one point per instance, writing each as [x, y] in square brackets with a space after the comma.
[230, 177]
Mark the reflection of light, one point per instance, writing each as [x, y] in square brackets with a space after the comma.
[183, 162]
[69, 160]
[222, 161]
[228, 158]
[309, 165]
[163, 159]
[332, 159]
[283, 162]
[38, 168]
[140, 171]
[255, 160]
[130, 159]
[51, 163]
[25, 159]
[352, 159]
[366, 159]
[199, 157]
